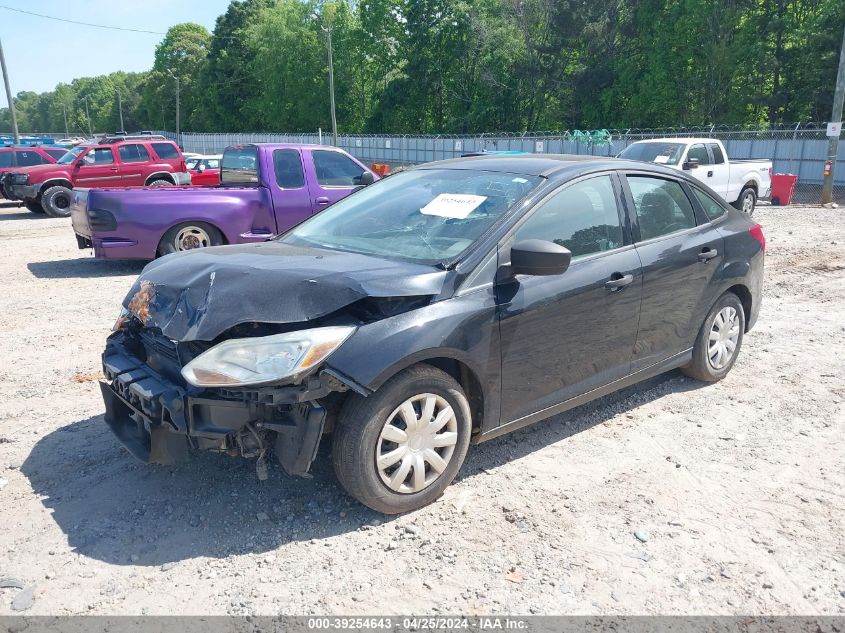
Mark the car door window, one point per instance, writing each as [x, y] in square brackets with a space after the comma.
[288, 167]
[583, 217]
[662, 206]
[700, 152]
[718, 156]
[336, 170]
[99, 156]
[212, 163]
[712, 208]
[133, 153]
[28, 158]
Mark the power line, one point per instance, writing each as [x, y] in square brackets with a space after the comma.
[99, 26]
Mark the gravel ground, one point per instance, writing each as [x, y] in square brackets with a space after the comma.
[670, 497]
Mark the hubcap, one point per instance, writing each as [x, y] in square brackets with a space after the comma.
[416, 443]
[748, 203]
[724, 336]
[61, 202]
[191, 237]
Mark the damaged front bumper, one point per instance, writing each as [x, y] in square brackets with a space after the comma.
[158, 420]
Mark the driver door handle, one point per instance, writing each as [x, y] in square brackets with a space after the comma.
[322, 200]
[618, 281]
[706, 256]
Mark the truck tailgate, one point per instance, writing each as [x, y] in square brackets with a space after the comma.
[79, 213]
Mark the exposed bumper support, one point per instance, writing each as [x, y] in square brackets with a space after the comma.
[157, 420]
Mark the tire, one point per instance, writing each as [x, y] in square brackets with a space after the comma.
[160, 182]
[188, 236]
[359, 438]
[747, 200]
[703, 367]
[34, 206]
[56, 201]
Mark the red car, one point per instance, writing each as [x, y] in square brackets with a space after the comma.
[204, 170]
[12, 157]
[114, 161]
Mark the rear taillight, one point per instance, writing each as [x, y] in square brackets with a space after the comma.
[757, 233]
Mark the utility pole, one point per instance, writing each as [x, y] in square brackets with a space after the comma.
[178, 131]
[88, 116]
[64, 114]
[120, 110]
[835, 117]
[328, 31]
[9, 96]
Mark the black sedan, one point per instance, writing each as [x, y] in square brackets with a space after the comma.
[439, 307]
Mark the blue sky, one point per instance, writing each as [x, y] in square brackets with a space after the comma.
[41, 53]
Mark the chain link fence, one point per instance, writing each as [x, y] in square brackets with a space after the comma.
[798, 149]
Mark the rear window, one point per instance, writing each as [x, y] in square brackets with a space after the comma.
[240, 166]
[28, 158]
[288, 166]
[56, 153]
[166, 150]
[712, 208]
[5, 159]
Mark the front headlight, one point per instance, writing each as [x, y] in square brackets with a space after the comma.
[20, 179]
[255, 361]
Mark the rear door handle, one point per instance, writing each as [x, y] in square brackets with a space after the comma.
[114, 168]
[706, 256]
[322, 200]
[617, 281]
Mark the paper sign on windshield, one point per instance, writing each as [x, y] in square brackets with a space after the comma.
[453, 205]
[661, 159]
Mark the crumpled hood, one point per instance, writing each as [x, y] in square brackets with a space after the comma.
[198, 295]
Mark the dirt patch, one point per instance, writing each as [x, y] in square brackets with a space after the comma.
[670, 497]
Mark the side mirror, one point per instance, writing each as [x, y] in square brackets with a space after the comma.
[365, 179]
[539, 257]
[692, 163]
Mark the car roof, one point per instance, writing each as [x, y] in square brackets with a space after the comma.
[679, 139]
[545, 164]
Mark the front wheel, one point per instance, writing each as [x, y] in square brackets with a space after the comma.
[397, 449]
[747, 201]
[160, 182]
[719, 340]
[56, 201]
[189, 236]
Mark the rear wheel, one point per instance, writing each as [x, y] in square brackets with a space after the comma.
[56, 201]
[34, 206]
[189, 236]
[397, 449]
[719, 340]
[747, 201]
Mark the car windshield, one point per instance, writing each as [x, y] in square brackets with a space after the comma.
[426, 215]
[71, 156]
[663, 153]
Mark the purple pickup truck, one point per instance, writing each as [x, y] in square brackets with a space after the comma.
[265, 190]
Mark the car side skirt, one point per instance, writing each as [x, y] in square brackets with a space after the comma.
[673, 362]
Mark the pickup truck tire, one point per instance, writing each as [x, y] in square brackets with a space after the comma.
[386, 453]
[160, 182]
[34, 206]
[188, 236]
[56, 201]
[719, 340]
[747, 200]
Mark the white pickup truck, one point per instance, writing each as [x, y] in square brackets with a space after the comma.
[739, 182]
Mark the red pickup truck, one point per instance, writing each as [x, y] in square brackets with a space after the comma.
[12, 157]
[113, 161]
